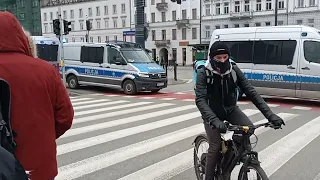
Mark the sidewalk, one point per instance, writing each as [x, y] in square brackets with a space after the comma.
[184, 75]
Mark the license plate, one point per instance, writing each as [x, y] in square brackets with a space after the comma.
[160, 84]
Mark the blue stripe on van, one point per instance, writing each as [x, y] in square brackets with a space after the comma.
[98, 72]
[281, 78]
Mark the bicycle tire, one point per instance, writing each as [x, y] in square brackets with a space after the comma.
[195, 156]
[257, 168]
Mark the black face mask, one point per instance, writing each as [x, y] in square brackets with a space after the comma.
[220, 67]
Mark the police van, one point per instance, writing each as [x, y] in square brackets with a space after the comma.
[281, 61]
[48, 49]
[119, 64]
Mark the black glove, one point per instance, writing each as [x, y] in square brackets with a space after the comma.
[219, 125]
[276, 121]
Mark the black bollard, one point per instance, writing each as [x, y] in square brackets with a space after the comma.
[175, 71]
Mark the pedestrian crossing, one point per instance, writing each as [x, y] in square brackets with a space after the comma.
[144, 139]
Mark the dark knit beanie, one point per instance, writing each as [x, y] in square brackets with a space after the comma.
[219, 48]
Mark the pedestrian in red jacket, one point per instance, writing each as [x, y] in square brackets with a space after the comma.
[41, 110]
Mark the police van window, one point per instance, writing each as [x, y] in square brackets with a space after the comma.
[241, 51]
[274, 52]
[92, 54]
[113, 54]
[311, 51]
[48, 52]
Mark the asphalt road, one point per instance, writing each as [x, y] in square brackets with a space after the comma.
[124, 137]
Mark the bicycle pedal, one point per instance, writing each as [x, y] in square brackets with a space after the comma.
[238, 163]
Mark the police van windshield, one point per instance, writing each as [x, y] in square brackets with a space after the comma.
[136, 56]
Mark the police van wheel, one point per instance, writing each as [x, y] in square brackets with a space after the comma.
[129, 87]
[155, 90]
[72, 82]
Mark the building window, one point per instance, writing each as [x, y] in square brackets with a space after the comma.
[237, 6]
[280, 23]
[268, 5]
[281, 5]
[226, 26]
[91, 39]
[153, 2]
[312, 2]
[217, 27]
[107, 38]
[106, 23]
[174, 15]
[45, 28]
[99, 39]
[123, 8]
[174, 34]
[184, 14]
[236, 25]
[97, 11]
[194, 33]
[71, 14]
[208, 33]
[218, 9]
[123, 22]
[207, 9]
[114, 9]
[163, 16]
[80, 13]
[164, 34]
[184, 33]
[194, 13]
[90, 12]
[300, 3]
[115, 23]
[45, 16]
[81, 25]
[258, 5]
[106, 10]
[98, 24]
[258, 24]
[153, 17]
[299, 22]
[51, 16]
[153, 35]
[246, 6]
[226, 8]
[268, 23]
[64, 14]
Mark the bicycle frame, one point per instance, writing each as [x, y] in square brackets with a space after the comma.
[237, 154]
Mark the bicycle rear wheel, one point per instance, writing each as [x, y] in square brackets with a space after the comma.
[259, 175]
[199, 159]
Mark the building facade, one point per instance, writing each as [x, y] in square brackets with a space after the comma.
[27, 12]
[173, 27]
[247, 13]
[109, 18]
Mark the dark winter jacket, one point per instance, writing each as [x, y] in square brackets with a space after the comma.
[10, 168]
[41, 110]
[215, 101]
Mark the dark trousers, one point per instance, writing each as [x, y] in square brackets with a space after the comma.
[236, 117]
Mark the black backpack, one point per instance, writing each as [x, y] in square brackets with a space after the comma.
[10, 168]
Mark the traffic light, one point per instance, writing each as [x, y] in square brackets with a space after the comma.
[88, 24]
[177, 1]
[66, 27]
[56, 27]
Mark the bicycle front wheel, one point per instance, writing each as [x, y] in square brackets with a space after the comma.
[247, 174]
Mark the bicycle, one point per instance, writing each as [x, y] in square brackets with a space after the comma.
[232, 153]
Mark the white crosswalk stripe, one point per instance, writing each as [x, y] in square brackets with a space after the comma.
[153, 139]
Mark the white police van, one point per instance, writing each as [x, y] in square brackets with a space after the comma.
[278, 60]
[119, 64]
[48, 49]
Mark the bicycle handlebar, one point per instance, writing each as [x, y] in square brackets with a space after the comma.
[247, 128]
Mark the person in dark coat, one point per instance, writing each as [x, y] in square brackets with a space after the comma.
[217, 101]
[41, 110]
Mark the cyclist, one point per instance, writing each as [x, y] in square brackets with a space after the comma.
[217, 101]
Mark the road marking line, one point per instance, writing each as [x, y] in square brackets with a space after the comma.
[79, 99]
[97, 105]
[301, 108]
[111, 108]
[89, 102]
[167, 99]
[95, 127]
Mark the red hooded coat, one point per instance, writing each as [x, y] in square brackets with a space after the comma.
[41, 110]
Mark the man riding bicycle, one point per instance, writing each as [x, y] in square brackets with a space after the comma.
[217, 101]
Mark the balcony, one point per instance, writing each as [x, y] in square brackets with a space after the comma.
[240, 16]
[182, 23]
[162, 43]
[51, 3]
[163, 6]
